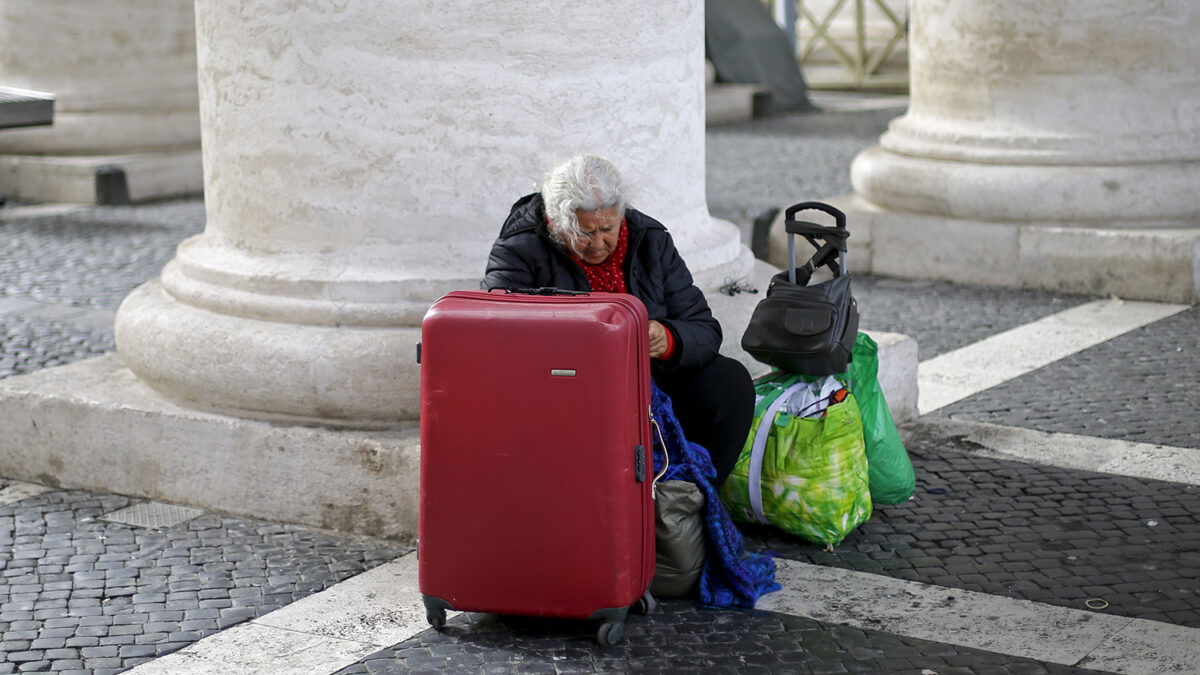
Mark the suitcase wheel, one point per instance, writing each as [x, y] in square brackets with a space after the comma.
[436, 617]
[610, 633]
[435, 611]
[646, 605]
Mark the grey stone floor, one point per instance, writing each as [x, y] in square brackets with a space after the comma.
[79, 593]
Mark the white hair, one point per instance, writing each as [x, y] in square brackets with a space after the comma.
[584, 183]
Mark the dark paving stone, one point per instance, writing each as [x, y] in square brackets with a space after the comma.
[1141, 386]
[92, 257]
[776, 162]
[28, 345]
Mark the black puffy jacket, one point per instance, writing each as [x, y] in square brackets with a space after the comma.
[524, 256]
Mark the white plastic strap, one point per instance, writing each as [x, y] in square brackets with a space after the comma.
[760, 447]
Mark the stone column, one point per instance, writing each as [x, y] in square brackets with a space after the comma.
[1054, 145]
[360, 158]
[123, 73]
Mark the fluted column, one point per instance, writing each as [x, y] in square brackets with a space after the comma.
[359, 159]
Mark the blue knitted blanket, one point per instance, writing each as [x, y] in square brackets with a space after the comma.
[731, 576]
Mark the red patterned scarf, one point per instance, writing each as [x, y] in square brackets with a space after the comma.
[608, 276]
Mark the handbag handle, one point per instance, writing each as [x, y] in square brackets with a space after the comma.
[832, 238]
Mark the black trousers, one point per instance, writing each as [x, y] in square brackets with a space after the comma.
[715, 406]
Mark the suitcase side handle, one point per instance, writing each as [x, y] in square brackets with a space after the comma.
[666, 459]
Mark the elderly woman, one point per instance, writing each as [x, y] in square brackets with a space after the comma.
[579, 234]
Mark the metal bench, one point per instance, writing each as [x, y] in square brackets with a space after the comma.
[24, 108]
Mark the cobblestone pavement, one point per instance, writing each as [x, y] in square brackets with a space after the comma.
[79, 593]
[63, 276]
[1032, 532]
[1142, 386]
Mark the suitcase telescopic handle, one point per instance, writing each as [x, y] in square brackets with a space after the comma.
[832, 238]
[839, 218]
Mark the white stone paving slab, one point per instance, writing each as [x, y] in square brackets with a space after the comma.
[94, 319]
[955, 375]
[1148, 647]
[11, 305]
[382, 606]
[89, 317]
[39, 211]
[1071, 451]
[16, 491]
[975, 620]
[254, 648]
[322, 633]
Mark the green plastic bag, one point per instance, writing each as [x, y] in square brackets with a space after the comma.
[892, 479]
[812, 472]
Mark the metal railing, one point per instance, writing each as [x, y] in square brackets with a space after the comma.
[861, 55]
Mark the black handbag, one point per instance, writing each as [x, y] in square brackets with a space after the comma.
[801, 328]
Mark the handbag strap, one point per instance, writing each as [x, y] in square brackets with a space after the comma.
[824, 256]
[829, 241]
[760, 446]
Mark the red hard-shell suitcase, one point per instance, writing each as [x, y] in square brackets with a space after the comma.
[536, 463]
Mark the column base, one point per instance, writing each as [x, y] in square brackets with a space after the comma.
[102, 179]
[293, 373]
[93, 425]
[1145, 263]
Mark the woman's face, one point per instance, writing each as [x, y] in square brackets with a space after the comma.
[600, 229]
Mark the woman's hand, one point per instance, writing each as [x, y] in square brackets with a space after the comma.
[658, 339]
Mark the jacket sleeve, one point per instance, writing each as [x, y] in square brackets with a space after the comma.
[688, 315]
[508, 266]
